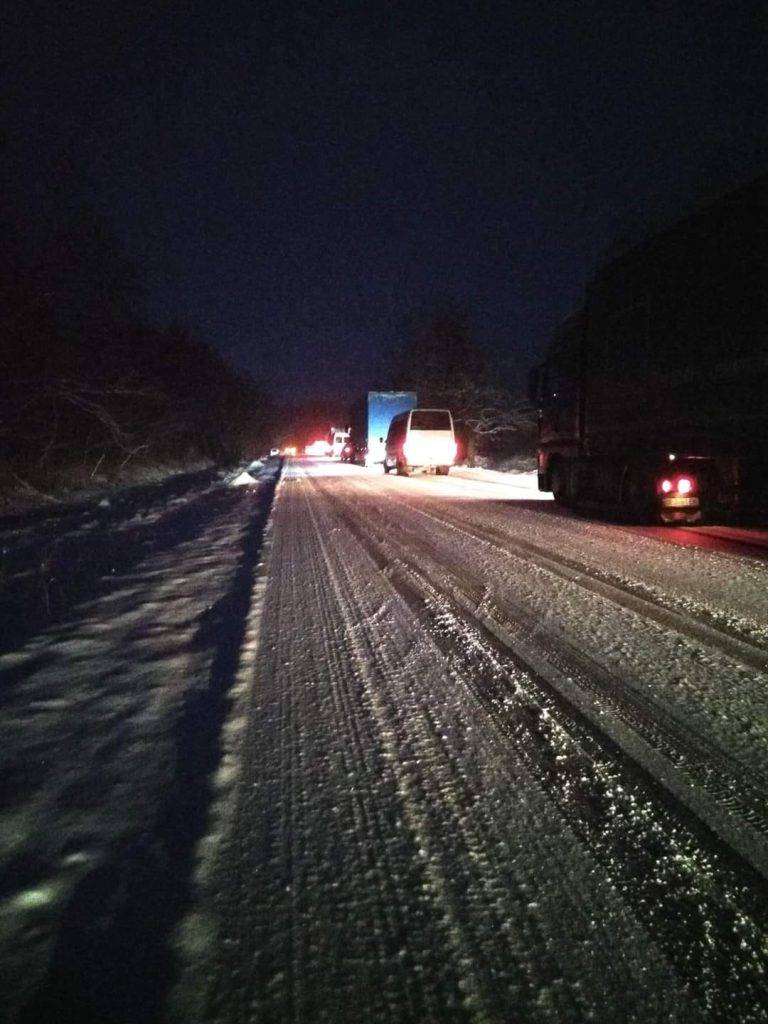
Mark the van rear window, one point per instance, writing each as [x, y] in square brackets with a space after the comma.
[430, 419]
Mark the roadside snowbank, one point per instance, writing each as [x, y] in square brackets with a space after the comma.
[114, 691]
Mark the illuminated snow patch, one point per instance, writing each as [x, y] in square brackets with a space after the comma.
[326, 467]
[519, 484]
[31, 899]
[243, 480]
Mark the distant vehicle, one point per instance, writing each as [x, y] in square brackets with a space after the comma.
[360, 455]
[420, 439]
[654, 396]
[371, 418]
[317, 448]
[336, 441]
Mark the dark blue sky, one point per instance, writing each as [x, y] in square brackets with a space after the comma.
[295, 179]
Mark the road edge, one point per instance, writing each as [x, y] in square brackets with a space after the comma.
[196, 934]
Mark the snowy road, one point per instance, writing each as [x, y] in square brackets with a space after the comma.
[491, 764]
[432, 752]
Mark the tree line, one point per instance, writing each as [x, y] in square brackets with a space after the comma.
[440, 358]
[89, 390]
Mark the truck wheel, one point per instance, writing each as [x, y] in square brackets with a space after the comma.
[402, 469]
[387, 468]
[559, 481]
[442, 470]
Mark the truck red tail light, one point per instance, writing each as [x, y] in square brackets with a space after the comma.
[676, 485]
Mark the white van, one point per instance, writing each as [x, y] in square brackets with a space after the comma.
[420, 439]
[338, 438]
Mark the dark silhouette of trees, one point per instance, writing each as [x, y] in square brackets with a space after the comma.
[442, 361]
[86, 387]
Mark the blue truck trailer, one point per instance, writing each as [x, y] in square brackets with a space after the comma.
[371, 417]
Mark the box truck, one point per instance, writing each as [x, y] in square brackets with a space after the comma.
[371, 418]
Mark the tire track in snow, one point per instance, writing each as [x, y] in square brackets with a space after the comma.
[422, 1004]
[435, 881]
[736, 807]
[309, 934]
[370, 819]
[726, 640]
[730, 972]
[481, 908]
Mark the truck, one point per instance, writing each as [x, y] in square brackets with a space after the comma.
[371, 417]
[337, 438]
[653, 396]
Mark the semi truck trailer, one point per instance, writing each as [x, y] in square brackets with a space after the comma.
[371, 418]
[654, 395]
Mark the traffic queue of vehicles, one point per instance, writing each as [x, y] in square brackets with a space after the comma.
[652, 398]
[389, 430]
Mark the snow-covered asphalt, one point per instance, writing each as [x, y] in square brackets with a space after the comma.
[426, 750]
[494, 764]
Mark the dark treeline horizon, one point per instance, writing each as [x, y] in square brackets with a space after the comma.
[90, 390]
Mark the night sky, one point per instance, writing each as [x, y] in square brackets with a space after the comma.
[294, 180]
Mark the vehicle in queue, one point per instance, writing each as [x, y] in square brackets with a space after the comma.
[347, 452]
[371, 417]
[653, 397]
[420, 439]
[337, 439]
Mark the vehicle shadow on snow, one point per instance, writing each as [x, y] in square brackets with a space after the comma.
[113, 962]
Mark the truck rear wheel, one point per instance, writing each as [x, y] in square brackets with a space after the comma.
[402, 469]
[442, 470]
[560, 483]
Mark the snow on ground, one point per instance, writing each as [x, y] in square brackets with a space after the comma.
[51, 558]
[311, 791]
[418, 834]
[243, 479]
[512, 485]
[728, 588]
[108, 737]
[706, 688]
[521, 484]
[396, 912]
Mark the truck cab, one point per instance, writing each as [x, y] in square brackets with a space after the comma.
[337, 440]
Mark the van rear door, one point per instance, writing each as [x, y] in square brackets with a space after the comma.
[430, 440]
